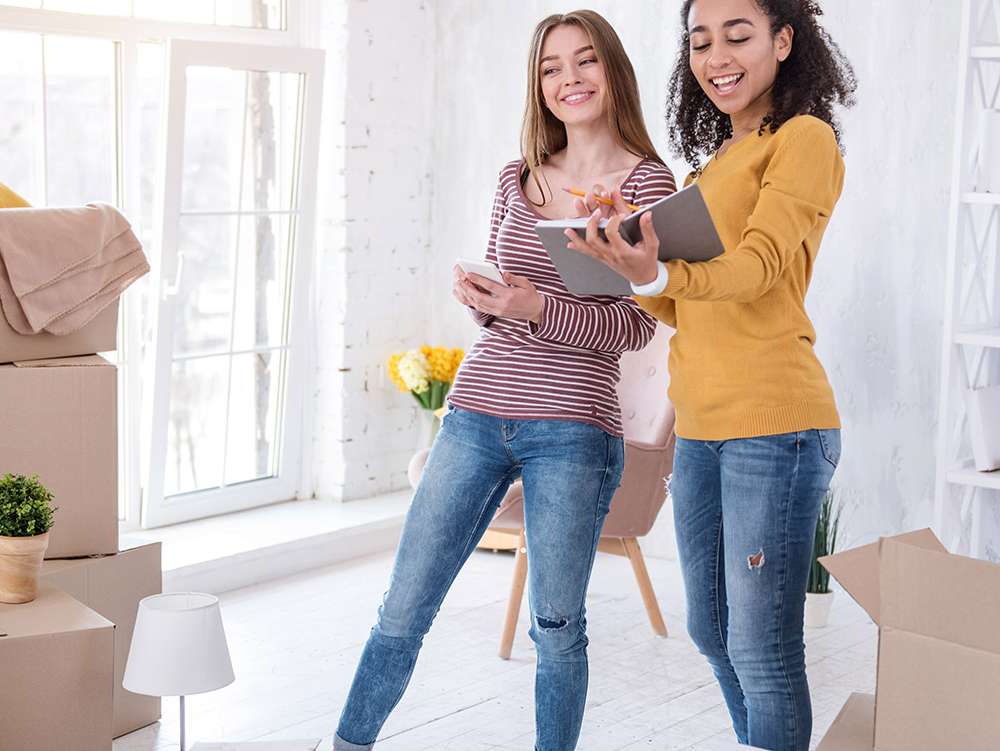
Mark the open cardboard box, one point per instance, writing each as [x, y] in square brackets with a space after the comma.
[59, 421]
[938, 682]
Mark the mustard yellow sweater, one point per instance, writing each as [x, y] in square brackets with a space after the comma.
[11, 200]
[742, 362]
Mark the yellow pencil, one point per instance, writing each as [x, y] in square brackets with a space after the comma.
[600, 199]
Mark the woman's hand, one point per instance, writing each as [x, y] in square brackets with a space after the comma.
[520, 300]
[589, 204]
[461, 286]
[637, 263]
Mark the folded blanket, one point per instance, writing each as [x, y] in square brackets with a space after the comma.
[59, 268]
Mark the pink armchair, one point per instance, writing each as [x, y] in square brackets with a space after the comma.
[648, 419]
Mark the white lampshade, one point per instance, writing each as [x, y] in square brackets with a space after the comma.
[178, 647]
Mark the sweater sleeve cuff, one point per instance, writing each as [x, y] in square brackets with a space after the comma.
[677, 279]
[550, 318]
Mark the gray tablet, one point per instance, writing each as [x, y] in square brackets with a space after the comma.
[682, 223]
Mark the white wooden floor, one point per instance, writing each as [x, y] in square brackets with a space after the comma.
[295, 642]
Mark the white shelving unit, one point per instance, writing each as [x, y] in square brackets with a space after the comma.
[971, 348]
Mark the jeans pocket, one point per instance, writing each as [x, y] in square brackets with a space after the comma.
[829, 443]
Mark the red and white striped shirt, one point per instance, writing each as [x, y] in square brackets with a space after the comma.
[567, 367]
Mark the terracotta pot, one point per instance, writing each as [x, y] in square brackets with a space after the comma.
[818, 609]
[20, 563]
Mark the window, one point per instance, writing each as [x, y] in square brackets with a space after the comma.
[256, 14]
[234, 217]
[83, 122]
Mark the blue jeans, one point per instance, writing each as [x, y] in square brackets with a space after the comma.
[570, 472]
[745, 513]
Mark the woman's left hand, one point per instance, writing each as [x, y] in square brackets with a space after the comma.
[638, 262]
[517, 299]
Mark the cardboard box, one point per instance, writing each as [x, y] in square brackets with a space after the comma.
[100, 335]
[112, 586]
[938, 682]
[854, 727]
[58, 667]
[59, 421]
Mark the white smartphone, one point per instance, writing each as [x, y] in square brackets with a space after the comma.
[488, 270]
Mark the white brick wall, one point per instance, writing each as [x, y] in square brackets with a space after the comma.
[431, 94]
[374, 245]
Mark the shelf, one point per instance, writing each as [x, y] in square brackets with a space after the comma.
[986, 199]
[979, 337]
[986, 52]
[964, 474]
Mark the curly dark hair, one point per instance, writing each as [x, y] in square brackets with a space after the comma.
[813, 78]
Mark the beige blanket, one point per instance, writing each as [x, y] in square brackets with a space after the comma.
[61, 267]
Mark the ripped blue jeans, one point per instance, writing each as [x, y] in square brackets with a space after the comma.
[570, 472]
[745, 514]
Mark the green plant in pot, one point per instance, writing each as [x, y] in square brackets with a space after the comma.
[819, 598]
[25, 520]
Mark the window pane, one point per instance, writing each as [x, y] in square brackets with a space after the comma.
[262, 282]
[256, 14]
[21, 124]
[80, 119]
[239, 150]
[149, 87]
[100, 7]
[254, 399]
[196, 425]
[205, 293]
[193, 11]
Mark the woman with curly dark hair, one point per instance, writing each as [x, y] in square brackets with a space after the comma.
[751, 105]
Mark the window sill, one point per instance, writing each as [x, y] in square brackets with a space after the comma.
[237, 550]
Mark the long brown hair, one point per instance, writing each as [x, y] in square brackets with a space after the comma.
[543, 134]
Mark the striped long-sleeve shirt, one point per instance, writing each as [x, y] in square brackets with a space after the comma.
[566, 368]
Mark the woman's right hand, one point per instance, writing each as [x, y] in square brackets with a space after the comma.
[589, 204]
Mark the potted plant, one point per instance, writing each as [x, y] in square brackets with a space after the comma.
[25, 520]
[819, 598]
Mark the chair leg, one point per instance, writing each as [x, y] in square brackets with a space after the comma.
[516, 595]
[645, 585]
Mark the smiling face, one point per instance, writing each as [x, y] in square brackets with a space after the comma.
[734, 55]
[572, 76]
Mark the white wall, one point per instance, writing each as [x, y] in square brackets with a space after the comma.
[877, 296]
[373, 248]
[424, 106]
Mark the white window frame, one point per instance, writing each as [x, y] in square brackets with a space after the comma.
[302, 19]
[183, 54]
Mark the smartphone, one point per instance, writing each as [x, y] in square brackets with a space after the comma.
[482, 268]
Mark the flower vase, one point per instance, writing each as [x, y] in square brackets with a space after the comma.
[429, 427]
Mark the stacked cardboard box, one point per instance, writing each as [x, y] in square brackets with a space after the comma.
[938, 680]
[58, 666]
[112, 586]
[64, 654]
[59, 422]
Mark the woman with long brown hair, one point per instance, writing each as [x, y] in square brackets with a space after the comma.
[535, 396]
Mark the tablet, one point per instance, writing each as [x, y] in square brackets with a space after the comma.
[682, 223]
